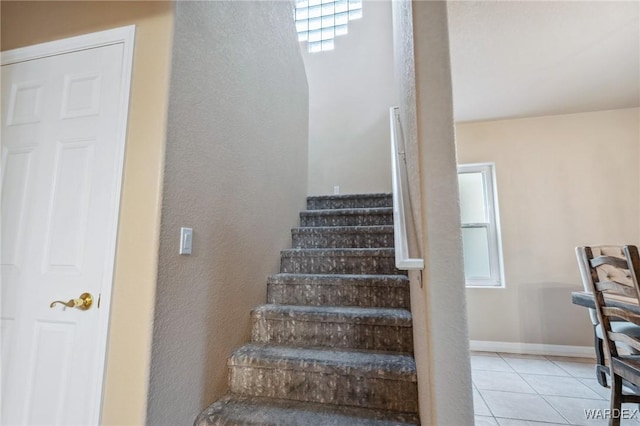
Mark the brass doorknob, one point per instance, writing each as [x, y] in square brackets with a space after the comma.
[84, 302]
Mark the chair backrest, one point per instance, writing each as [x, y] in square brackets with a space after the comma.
[610, 275]
[585, 272]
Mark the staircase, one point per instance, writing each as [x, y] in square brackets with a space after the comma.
[334, 344]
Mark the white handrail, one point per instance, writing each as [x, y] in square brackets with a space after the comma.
[398, 166]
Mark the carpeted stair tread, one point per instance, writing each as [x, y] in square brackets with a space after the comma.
[364, 229]
[386, 280]
[372, 195]
[236, 410]
[349, 200]
[327, 361]
[358, 378]
[350, 211]
[343, 236]
[339, 261]
[377, 329]
[388, 291]
[367, 216]
[341, 251]
[340, 314]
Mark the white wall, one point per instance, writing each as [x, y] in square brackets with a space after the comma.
[236, 170]
[438, 306]
[563, 181]
[350, 91]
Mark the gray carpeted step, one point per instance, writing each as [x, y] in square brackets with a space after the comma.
[236, 410]
[385, 291]
[347, 217]
[379, 329]
[341, 377]
[349, 201]
[339, 261]
[343, 236]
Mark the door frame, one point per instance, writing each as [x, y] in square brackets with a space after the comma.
[125, 36]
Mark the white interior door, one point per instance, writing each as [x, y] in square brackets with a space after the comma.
[62, 154]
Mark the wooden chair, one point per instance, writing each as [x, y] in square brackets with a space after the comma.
[604, 280]
[618, 326]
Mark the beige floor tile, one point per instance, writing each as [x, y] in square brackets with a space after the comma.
[564, 388]
[534, 366]
[515, 422]
[489, 363]
[593, 384]
[578, 369]
[485, 421]
[574, 410]
[521, 406]
[560, 386]
[501, 381]
[479, 407]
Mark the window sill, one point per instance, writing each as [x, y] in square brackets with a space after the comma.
[484, 285]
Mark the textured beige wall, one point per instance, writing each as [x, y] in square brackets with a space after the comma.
[563, 181]
[350, 91]
[236, 172]
[27, 23]
[438, 307]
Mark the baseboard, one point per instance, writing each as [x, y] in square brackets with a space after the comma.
[532, 349]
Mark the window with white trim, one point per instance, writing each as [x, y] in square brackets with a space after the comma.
[480, 225]
[318, 22]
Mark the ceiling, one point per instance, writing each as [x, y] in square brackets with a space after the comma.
[530, 58]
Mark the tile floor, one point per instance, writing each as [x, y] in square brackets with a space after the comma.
[525, 390]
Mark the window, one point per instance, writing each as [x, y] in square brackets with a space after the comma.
[480, 225]
[318, 22]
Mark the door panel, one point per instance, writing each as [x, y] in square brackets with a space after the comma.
[67, 218]
[49, 372]
[16, 166]
[25, 104]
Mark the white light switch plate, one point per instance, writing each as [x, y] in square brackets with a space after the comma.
[186, 240]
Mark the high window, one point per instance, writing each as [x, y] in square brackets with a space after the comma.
[480, 225]
[318, 22]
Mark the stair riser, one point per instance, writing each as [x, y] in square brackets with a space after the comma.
[346, 219]
[338, 295]
[292, 332]
[331, 388]
[338, 265]
[345, 240]
[353, 203]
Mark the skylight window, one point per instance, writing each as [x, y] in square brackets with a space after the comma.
[318, 22]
